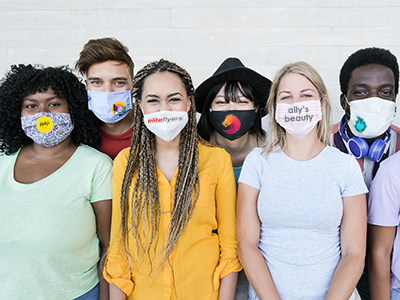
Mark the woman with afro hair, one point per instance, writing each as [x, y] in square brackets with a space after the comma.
[55, 206]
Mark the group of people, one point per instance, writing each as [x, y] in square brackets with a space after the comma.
[111, 189]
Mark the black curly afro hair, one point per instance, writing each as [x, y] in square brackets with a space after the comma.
[366, 57]
[23, 80]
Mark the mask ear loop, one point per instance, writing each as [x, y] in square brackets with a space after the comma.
[347, 101]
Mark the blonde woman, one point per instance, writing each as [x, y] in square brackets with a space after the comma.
[301, 203]
[172, 193]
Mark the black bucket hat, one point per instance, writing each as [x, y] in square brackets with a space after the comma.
[232, 69]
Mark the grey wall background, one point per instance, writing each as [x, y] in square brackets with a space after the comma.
[199, 35]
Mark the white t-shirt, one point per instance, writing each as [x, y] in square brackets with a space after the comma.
[300, 210]
[48, 243]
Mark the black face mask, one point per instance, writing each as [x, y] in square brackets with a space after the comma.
[232, 124]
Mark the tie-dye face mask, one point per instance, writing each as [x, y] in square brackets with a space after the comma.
[47, 129]
[232, 124]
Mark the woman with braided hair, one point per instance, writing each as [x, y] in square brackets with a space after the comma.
[172, 193]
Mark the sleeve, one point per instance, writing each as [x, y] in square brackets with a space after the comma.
[226, 216]
[117, 269]
[384, 199]
[354, 182]
[102, 180]
[251, 170]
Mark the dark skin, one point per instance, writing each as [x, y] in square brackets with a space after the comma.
[36, 162]
[369, 81]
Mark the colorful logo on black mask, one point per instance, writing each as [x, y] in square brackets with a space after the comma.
[360, 125]
[233, 122]
[119, 108]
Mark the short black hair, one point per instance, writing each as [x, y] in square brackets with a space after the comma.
[23, 80]
[364, 57]
[205, 128]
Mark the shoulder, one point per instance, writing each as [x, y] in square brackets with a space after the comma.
[212, 152]
[257, 153]
[334, 153]
[89, 155]
[334, 158]
[213, 158]
[7, 160]
[4, 157]
[121, 159]
[335, 128]
[256, 159]
[392, 163]
[395, 128]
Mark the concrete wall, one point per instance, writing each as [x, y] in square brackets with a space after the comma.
[199, 35]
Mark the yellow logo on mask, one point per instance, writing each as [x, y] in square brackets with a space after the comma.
[44, 124]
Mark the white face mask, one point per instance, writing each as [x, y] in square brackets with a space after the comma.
[371, 117]
[110, 107]
[166, 124]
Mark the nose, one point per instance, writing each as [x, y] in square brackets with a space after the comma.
[108, 87]
[230, 105]
[296, 100]
[164, 106]
[43, 108]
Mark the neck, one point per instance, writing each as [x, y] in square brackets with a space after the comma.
[238, 148]
[304, 148]
[369, 141]
[163, 147]
[120, 127]
[239, 145]
[44, 153]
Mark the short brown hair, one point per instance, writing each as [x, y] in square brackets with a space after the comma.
[101, 50]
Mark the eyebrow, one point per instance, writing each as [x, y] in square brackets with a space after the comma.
[116, 78]
[47, 99]
[174, 94]
[307, 90]
[152, 96]
[302, 91]
[360, 85]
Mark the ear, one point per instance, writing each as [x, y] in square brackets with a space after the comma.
[189, 99]
[324, 100]
[343, 102]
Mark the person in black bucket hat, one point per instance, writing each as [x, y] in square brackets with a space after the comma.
[232, 102]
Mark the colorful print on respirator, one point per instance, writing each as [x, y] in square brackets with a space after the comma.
[110, 107]
[47, 129]
[370, 117]
[298, 118]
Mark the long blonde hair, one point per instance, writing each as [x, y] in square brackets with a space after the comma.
[277, 134]
[144, 202]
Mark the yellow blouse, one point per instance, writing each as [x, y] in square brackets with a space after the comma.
[200, 258]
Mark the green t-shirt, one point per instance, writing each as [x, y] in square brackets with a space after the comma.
[48, 243]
